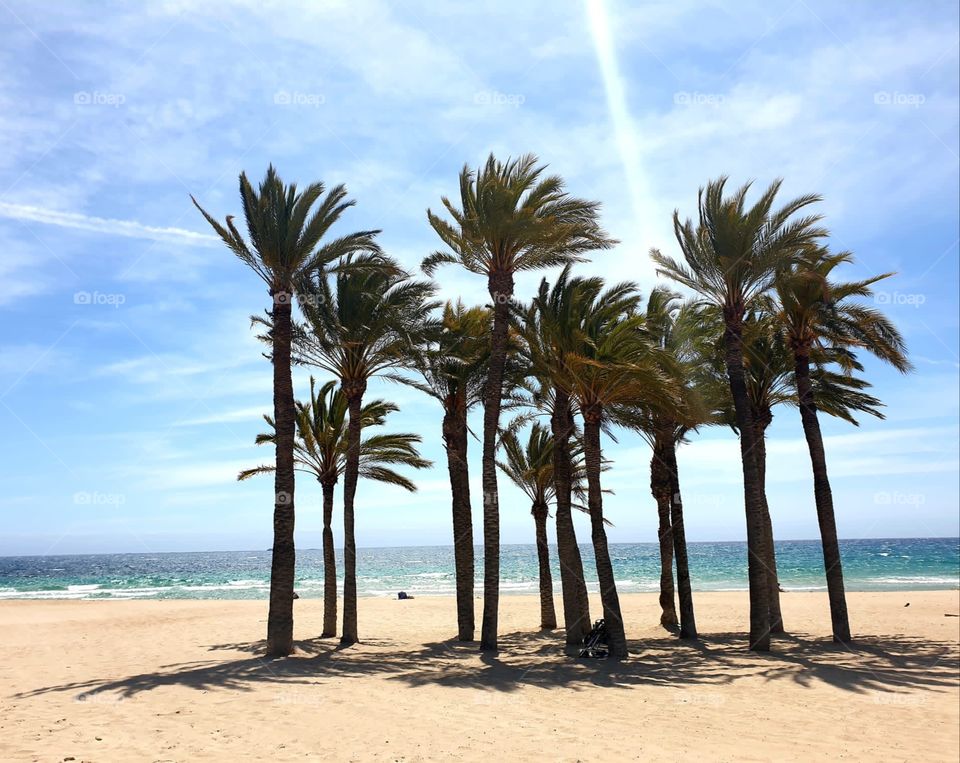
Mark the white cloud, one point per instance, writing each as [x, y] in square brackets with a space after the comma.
[126, 228]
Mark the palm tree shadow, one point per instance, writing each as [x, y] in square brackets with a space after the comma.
[883, 664]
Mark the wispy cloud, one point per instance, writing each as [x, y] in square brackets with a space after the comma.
[623, 127]
[107, 226]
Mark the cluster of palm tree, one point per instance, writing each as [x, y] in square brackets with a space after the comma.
[766, 323]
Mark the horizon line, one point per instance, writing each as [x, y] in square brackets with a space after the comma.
[450, 545]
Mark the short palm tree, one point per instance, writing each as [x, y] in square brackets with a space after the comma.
[511, 218]
[819, 312]
[530, 468]
[364, 324]
[669, 325]
[452, 368]
[730, 258]
[321, 451]
[285, 229]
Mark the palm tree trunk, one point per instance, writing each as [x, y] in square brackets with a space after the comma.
[500, 286]
[824, 499]
[455, 440]
[284, 558]
[613, 618]
[662, 490]
[354, 392]
[576, 605]
[329, 565]
[773, 578]
[753, 500]
[548, 615]
[688, 624]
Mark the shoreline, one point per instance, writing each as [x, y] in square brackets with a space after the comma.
[505, 593]
[184, 680]
[869, 565]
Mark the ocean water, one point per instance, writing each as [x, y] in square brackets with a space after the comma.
[869, 565]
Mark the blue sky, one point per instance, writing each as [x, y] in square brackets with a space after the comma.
[131, 385]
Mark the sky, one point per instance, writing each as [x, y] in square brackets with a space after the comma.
[131, 384]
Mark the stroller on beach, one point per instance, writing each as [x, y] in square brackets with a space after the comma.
[595, 642]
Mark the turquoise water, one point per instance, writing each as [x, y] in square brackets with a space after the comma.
[869, 565]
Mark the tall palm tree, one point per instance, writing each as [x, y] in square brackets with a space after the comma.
[616, 364]
[285, 229]
[817, 311]
[730, 258]
[321, 451]
[530, 468]
[768, 368]
[367, 322]
[768, 377]
[511, 218]
[452, 367]
[552, 330]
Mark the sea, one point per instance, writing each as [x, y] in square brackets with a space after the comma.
[868, 565]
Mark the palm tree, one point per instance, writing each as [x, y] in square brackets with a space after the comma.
[767, 373]
[530, 468]
[730, 258]
[768, 377]
[616, 364]
[510, 219]
[551, 329]
[452, 367]
[367, 323]
[768, 367]
[819, 313]
[285, 230]
[321, 450]
[670, 325]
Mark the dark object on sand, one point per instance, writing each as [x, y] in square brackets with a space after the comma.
[404, 595]
[595, 642]
[907, 604]
[296, 595]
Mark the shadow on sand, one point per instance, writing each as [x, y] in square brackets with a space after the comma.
[874, 664]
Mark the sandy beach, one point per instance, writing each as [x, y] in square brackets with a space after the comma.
[182, 680]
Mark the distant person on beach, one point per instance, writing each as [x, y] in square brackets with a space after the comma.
[404, 595]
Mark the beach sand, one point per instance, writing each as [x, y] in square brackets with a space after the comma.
[181, 680]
